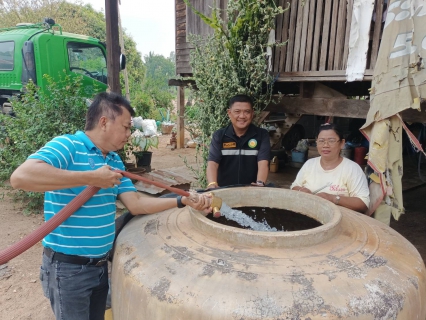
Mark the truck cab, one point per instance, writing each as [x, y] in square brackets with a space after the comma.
[29, 51]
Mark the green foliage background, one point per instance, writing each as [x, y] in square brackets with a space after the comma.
[40, 116]
[156, 94]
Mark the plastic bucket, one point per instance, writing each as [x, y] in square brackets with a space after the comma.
[297, 156]
[359, 155]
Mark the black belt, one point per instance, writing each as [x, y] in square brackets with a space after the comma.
[61, 257]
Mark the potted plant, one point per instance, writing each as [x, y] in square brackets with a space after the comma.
[140, 145]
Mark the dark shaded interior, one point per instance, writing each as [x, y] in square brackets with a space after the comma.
[282, 220]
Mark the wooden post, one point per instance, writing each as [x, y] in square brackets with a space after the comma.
[123, 51]
[113, 47]
[180, 120]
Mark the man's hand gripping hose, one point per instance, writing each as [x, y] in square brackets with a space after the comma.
[50, 225]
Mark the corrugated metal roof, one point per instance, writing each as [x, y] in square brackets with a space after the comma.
[166, 177]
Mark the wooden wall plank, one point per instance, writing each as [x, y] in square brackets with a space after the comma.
[180, 5]
[284, 36]
[325, 35]
[318, 28]
[180, 20]
[310, 35]
[180, 70]
[291, 32]
[183, 57]
[304, 36]
[182, 65]
[278, 38]
[338, 52]
[333, 30]
[183, 45]
[194, 24]
[377, 33]
[298, 37]
[349, 10]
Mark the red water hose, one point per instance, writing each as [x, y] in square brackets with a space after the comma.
[37, 235]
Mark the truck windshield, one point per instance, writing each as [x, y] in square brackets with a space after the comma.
[6, 55]
[87, 59]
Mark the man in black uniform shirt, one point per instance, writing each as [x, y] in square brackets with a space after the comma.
[239, 153]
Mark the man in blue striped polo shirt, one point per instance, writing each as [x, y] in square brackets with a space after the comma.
[74, 272]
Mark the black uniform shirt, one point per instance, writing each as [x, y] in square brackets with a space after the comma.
[238, 156]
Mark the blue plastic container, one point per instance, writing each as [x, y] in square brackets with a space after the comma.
[297, 156]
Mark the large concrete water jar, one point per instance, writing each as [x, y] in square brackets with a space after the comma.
[180, 265]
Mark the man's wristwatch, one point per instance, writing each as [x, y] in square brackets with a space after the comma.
[337, 199]
[180, 205]
[260, 183]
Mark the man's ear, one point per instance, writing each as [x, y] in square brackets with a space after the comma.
[228, 111]
[102, 122]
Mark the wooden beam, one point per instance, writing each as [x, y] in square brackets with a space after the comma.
[181, 83]
[348, 108]
[113, 45]
[180, 120]
[326, 75]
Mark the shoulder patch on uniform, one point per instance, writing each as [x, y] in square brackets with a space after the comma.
[228, 145]
[252, 143]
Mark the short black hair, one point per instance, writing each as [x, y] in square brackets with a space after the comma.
[240, 98]
[106, 104]
[331, 126]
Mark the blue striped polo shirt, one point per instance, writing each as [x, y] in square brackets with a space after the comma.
[90, 230]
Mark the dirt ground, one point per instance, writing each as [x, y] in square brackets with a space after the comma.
[21, 296]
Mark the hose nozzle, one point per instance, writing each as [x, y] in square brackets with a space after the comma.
[216, 205]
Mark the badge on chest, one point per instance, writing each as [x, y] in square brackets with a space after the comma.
[229, 145]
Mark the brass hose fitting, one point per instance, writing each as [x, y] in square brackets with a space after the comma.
[216, 205]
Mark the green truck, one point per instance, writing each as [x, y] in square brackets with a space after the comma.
[29, 51]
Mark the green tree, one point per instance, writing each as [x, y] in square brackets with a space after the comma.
[156, 92]
[159, 70]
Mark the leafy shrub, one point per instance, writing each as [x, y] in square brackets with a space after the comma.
[39, 117]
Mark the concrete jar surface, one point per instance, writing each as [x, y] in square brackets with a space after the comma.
[180, 265]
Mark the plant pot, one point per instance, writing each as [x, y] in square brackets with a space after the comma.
[145, 160]
[167, 128]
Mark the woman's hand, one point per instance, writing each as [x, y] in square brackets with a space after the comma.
[327, 196]
[305, 190]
